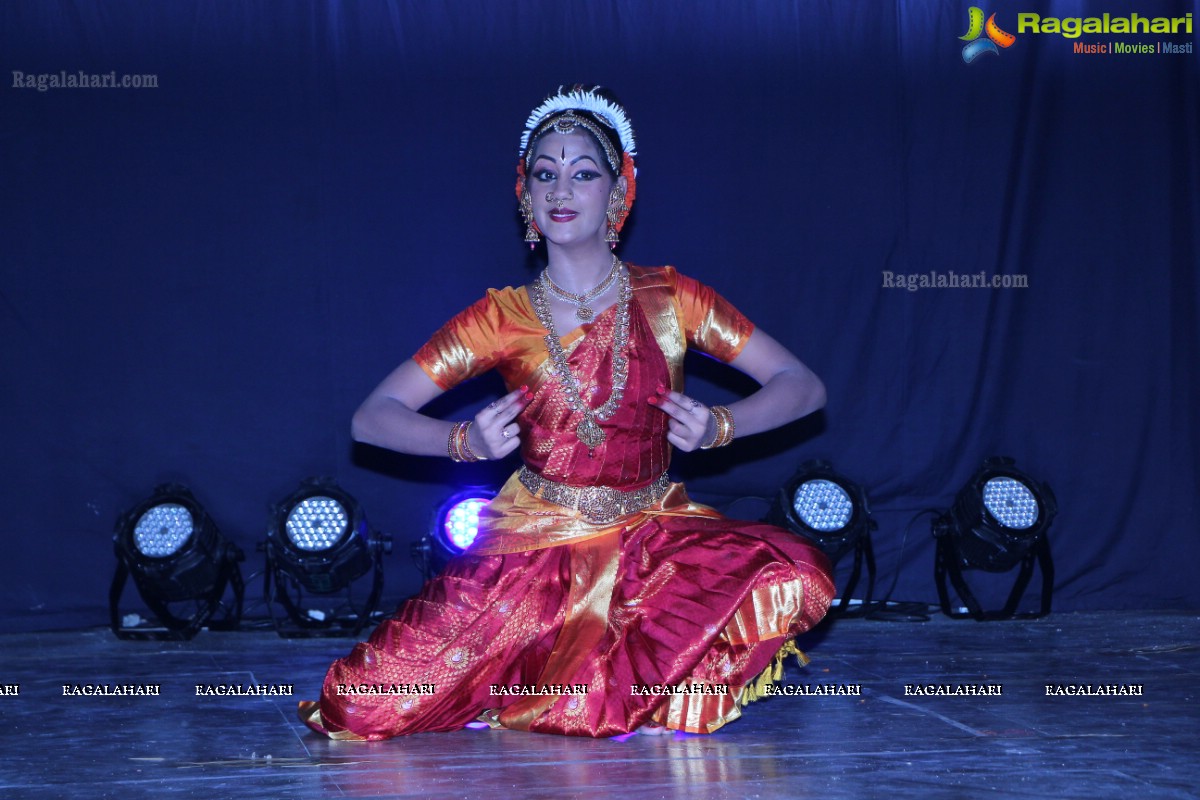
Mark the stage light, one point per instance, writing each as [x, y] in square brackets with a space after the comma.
[999, 520]
[831, 511]
[319, 543]
[453, 530]
[460, 522]
[181, 567]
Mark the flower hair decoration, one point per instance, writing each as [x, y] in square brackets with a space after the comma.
[580, 99]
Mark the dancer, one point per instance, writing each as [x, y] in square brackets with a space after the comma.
[597, 599]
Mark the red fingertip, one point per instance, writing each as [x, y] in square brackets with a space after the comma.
[662, 389]
[652, 401]
[524, 388]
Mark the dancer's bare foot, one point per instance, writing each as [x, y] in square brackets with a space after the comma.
[652, 730]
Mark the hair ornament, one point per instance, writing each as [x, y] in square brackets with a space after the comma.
[580, 99]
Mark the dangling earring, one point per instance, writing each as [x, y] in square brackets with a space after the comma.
[531, 231]
[616, 214]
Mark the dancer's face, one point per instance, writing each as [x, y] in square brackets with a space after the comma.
[571, 187]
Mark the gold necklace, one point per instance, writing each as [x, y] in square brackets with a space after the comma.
[588, 430]
[583, 309]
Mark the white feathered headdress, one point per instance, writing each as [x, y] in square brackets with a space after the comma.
[580, 99]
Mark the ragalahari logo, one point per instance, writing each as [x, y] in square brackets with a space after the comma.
[975, 27]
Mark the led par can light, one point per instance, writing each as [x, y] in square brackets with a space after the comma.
[999, 516]
[458, 520]
[318, 545]
[321, 538]
[452, 530]
[999, 522]
[824, 507]
[176, 556]
[830, 511]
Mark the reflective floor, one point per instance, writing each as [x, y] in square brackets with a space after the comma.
[903, 736]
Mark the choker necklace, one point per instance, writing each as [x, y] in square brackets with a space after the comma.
[588, 430]
[583, 309]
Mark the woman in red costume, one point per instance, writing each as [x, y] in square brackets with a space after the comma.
[597, 598]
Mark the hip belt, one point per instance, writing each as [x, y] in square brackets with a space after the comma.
[597, 504]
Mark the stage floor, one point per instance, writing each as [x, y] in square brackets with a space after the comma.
[1027, 741]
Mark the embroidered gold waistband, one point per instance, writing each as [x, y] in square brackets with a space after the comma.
[598, 504]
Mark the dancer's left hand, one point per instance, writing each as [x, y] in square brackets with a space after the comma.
[691, 424]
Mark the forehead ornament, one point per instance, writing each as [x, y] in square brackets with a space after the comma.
[557, 113]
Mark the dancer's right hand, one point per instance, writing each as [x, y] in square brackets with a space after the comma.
[495, 433]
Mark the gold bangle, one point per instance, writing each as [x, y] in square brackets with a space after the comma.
[464, 446]
[730, 427]
[716, 433]
[723, 418]
[452, 444]
[457, 446]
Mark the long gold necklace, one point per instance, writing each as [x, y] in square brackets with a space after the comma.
[588, 430]
[582, 302]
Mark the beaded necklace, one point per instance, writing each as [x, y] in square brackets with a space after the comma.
[582, 302]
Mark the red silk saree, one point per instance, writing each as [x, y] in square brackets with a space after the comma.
[672, 615]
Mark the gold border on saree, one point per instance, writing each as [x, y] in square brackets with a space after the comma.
[598, 504]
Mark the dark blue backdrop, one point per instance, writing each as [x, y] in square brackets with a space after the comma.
[202, 280]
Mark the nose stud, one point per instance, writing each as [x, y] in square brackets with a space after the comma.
[559, 202]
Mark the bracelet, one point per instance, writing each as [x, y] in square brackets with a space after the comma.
[465, 446]
[457, 445]
[725, 427]
[452, 448]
